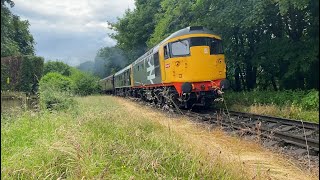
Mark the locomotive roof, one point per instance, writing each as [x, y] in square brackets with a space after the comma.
[122, 70]
[188, 30]
[106, 78]
[181, 32]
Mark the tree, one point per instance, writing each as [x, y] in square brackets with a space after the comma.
[135, 28]
[109, 60]
[269, 44]
[15, 36]
[58, 67]
[87, 66]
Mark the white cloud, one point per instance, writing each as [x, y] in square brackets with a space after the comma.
[71, 30]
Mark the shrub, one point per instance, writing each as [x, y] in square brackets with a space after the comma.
[56, 92]
[84, 83]
[311, 100]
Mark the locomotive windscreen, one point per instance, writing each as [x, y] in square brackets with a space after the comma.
[214, 44]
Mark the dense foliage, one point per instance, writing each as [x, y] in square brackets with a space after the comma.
[135, 28]
[21, 73]
[61, 82]
[56, 92]
[15, 36]
[269, 44]
[84, 83]
[57, 66]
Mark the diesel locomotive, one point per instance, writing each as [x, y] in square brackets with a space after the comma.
[186, 69]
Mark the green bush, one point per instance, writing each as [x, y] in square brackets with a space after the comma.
[56, 92]
[311, 100]
[57, 81]
[84, 83]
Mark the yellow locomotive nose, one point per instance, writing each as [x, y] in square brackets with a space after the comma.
[200, 66]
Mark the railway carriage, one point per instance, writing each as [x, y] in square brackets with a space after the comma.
[107, 84]
[122, 81]
[185, 69]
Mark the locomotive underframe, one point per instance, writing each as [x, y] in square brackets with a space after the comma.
[168, 95]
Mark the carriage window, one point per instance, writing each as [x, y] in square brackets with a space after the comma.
[180, 48]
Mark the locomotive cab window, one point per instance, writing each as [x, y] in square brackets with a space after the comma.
[180, 48]
[214, 44]
[166, 52]
[199, 41]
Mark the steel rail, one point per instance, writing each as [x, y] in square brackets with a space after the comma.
[293, 122]
[248, 122]
[241, 124]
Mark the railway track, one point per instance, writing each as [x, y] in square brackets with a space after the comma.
[288, 132]
[303, 136]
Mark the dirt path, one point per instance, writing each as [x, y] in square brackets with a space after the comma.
[258, 162]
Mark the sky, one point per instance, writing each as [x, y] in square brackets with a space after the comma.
[70, 30]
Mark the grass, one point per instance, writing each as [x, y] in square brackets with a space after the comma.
[301, 105]
[291, 112]
[99, 140]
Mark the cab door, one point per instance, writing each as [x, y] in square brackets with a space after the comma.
[165, 63]
[180, 54]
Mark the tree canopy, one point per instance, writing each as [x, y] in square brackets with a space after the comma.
[58, 67]
[107, 61]
[16, 38]
[269, 44]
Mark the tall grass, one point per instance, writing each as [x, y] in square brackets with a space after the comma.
[98, 140]
[289, 104]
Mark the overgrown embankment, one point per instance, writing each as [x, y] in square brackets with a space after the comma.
[302, 105]
[100, 139]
